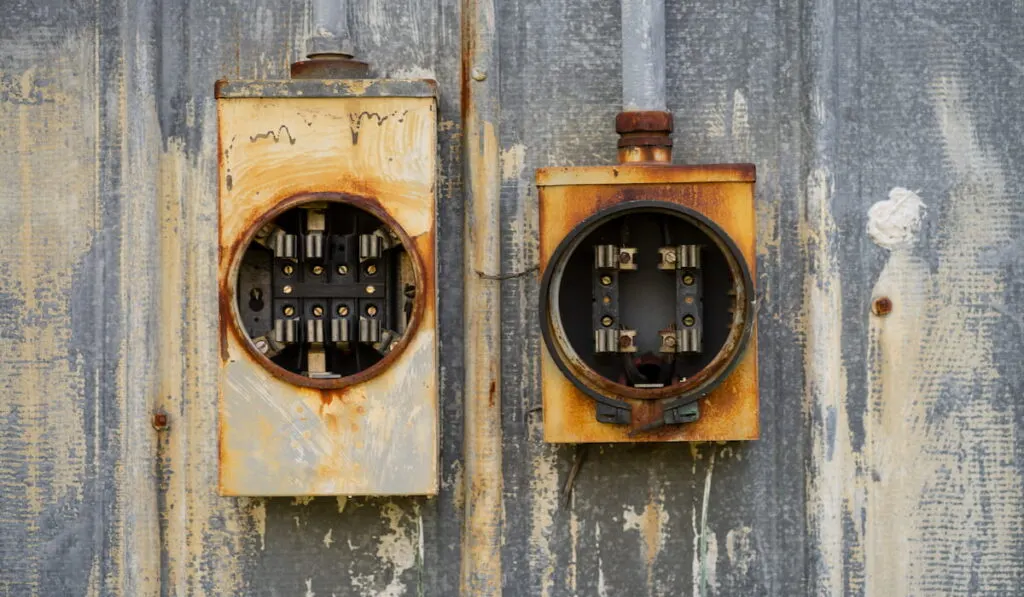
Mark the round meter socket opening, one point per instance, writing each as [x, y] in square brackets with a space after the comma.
[647, 300]
[326, 290]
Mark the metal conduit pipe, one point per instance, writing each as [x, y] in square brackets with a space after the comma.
[330, 28]
[481, 536]
[644, 125]
[643, 55]
[330, 49]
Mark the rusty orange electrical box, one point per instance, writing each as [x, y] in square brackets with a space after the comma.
[647, 303]
[328, 355]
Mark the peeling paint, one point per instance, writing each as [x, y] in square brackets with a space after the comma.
[651, 524]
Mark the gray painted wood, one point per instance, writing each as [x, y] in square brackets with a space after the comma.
[890, 461]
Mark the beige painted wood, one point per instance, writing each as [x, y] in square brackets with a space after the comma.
[378, 437]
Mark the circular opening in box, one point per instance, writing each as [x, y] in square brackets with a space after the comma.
[647, 300]
[325, 290]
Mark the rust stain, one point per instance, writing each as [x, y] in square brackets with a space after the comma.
[258, 220]
[882, 306]
[333, 432]
[723, 194]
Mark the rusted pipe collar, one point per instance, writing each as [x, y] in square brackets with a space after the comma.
[644, 136]
[330, 66]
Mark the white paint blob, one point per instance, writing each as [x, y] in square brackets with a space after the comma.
[896, 222]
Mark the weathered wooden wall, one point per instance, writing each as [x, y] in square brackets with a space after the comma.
[890, 461]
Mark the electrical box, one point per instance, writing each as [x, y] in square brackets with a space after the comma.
[647, 303]
[328, 355]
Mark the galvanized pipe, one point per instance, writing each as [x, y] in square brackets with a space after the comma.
[643, 55]
[481, 541]
[330, 28]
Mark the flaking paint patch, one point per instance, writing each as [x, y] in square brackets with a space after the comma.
[396, 553]
[651, 524]
[825, 380]
[705, 542]
[513, 161]
[544, 489]
[740, 551]
[258, 515]
[602, 587]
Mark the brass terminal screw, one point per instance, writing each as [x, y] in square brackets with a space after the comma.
[342, 310]
[342, 269]
[606, 321]
[371, 269]
[287, 290]
[625, 341]
[625, 257]
[670, 341]
[688, 279]
[288, 311]
[261, 345]
[317, 270]
[371, 310]
[318, 311]
[670, 256]
[688, 321]
[288, 270]
[606, 280]
[370, 290]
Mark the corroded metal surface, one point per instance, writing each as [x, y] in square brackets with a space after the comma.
[373, 433]
[225, 88]
[890, 453]
[728, 412]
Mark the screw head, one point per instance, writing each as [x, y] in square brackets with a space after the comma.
[370, 290]
[317, 270]
[318, 311]
[688, 279]
[371, 269]
[288, 310]
[625, 257]
[688, 300]
[606, 321]
[625, 341]
[342, 269]
[160, 421]
[606, 300]
[287, 290]
[688, 320]
[882, 306]
[342, 310]
[288, 270]
[670, 256]
[606, 280]
[261, 345]
[371, 310]
[670, 340]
